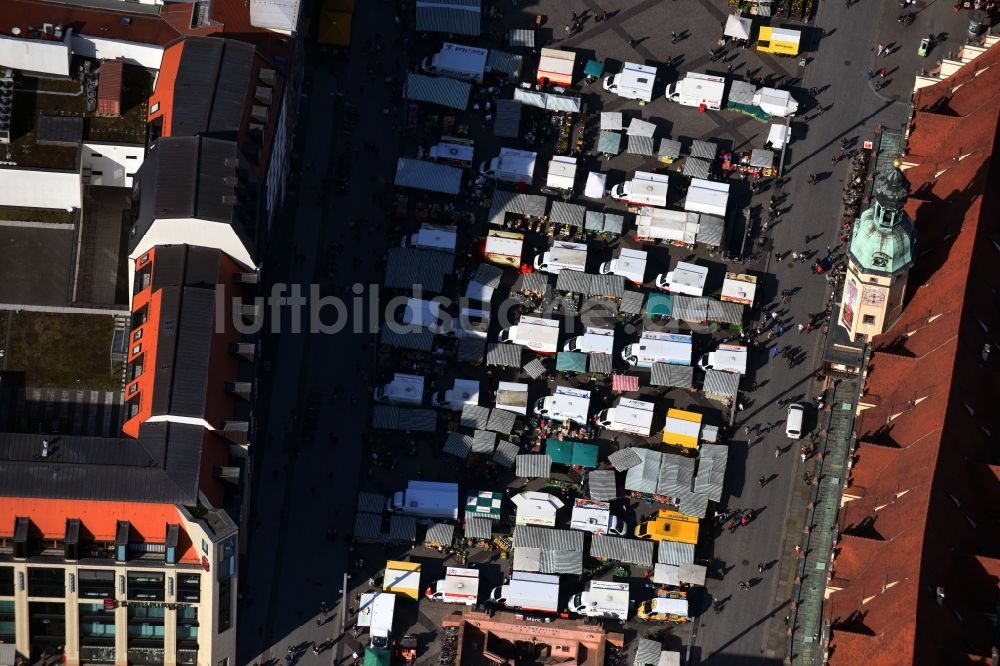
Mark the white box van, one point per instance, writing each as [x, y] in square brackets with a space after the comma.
[566, 404]
[645, 189]
[375, 611]
[793, 422]
[655, 347]
[466, 63]
[630, 264]
[729, 358]
[697, 90]
[511, 166]
[464, 392]
[604, 599]
[596, 517]
[427, 314]
[563, 255]
[594, 341]
[402, 390]
[687, 279]
[530, 592]
[426, 499]
[537, 334]
[633, 82]
[460, 586]
[433, 237]
[634, 417]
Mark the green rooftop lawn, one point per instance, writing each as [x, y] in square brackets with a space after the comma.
[61, 350]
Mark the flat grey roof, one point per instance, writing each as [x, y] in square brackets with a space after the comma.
[37, 263]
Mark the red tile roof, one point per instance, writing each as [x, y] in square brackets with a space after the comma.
[914, 579]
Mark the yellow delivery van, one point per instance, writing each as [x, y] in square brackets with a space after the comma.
[669, 526]
[780, 41]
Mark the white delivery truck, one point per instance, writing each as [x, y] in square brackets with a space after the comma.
[699, 90]
[457, 61]
[427, 314]
[596, 517]
[375, 611]
[433, 237]
[729, 358]
[630, 264]
[656, 347]
[565, 404]
[537, 334]
[463, 392]
[604, 599]
[634, 417]
[645, 189]
[426, 499]
[687, 279]
[563, 254]
[402, 390]
[633, 82]
[529, 592]
[594, 341]
[451, 150]
[511, 166]
[460, 586]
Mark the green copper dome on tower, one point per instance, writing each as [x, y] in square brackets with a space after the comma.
[883, 240]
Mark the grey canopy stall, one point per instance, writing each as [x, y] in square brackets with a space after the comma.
[504, 355]
[640, 127]
[523, 38]
[567, 213]
[611, 120]
[462, 17]
[409, 266]
[697, 168]
[706, 150]
[507, 122]
[602, 485]
[609, 143]
[625, 459]
[640, 145]
[721, 385]
[439, 90]
[534, 466]
[674, 376]
[669, 149]
[631, 551]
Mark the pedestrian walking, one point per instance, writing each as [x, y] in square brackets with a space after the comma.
[879, 49]
[768, 427]
[781, 329]
[762, 481]
[788, 618]
[633, 42]
[870, 75]
[882, 72]
[746, 431]
[811, 178]
[777, 450]
[729, 69]
[774, 352]
[742, 585]
[568, 30]
[801, 328]
[760, 567]
[795, 256]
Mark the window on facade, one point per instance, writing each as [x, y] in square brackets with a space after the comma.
[6, 581]
[133, 388]
[136, 367]
[155, 129]
[132, 408]
[225, 620]
[154, 108]
[137, 335]
[95, 622]
[140, 316]
[46, 582]
[142, 278]
[189, 588]
[145, 626]
[868, 320]
[7, 630]
[96, 583]
[47, 623]
[136, 349]
[143, 586]
[187, 624]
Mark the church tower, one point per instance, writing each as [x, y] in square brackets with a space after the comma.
[879, 260]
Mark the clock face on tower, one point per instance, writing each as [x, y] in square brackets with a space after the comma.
[872, 296]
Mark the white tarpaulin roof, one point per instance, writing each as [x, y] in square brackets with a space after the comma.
[641, 128]
[737, 27]
[562, 172]
[611, 120]
[706, 196]
[597, 185]
[778, 135]
[547, 100]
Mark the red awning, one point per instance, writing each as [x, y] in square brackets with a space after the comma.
[624, 383]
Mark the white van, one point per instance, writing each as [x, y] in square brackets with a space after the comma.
[402, 390]
[594, 341]
[687, 279]
[656, 347]
[427, 314]
[793, 422]
[633, 82]
[630, 264]
[457, 61]
[563, 255]
[729, 358]
[464, 392]
[537, 334]
[511, 166]
[630, 416]
[645, 189]
[433, 237]
[566, 404]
